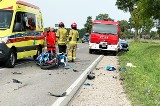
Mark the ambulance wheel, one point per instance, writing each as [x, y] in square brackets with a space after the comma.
[11, 59]
[39, 51]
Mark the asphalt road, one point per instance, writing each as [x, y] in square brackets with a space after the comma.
[36, 83]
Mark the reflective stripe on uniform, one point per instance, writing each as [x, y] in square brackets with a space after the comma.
[72, 42]
[69, 58]
[62, 43]
[74, 58]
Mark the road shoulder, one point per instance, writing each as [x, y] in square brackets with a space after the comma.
[105, 90]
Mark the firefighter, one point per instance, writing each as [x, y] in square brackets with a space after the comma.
[51, 40]
[72, 44]
[62, 38]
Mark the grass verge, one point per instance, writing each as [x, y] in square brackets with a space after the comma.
[142, 83]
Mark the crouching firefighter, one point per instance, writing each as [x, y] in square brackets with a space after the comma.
[72, 44]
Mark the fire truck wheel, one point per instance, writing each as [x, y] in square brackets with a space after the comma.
[90, 51]
[115, 53]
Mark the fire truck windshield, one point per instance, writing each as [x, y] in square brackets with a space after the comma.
[105, 29]
[5, 18]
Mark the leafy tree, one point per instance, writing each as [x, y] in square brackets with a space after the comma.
[129, 6]
[88, 25]
[126, 5]
[158, 31]
[151, 8]
[138, 20]
[82, 32]
[103, 16]
[124, 24]
[153, 34]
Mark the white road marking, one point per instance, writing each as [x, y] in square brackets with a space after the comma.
[75, 86]
[2, 69]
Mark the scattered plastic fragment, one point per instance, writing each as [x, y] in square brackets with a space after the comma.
[56, 95]
[16, 73]
[110, 68]
[75, 70]
[115, 77]
[87, 84]
[16, 81]
[122, 69]
[130, 65]
[68, 67]
[99, 68]
[122, 79]
[149, 89]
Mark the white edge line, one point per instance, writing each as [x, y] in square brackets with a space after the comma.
[2, 69]
[59, 101]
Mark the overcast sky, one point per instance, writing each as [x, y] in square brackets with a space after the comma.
[69, 11]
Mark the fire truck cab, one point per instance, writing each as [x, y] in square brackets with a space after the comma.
[104, 36]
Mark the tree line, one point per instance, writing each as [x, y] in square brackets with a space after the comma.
[144, 16]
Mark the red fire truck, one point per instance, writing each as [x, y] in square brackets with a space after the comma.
[104, 36]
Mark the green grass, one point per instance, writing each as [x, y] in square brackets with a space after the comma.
[142, 84]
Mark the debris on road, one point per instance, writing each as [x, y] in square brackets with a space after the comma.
[56, 95]
[99, 68]
[68, 67]
[110, 68]
[16, 81]
[75, 70]
[115, 77]
[91, 76]
[130, 65]
[21, 87]
[122, 69]
[16, 73]
[87, 84]
[106, 87]
[122, 79]
[149, 89]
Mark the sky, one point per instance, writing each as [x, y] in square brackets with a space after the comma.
[69, 11]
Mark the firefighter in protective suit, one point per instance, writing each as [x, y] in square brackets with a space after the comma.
[72, 44]
[62, 38]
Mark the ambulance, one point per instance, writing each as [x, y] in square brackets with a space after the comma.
[21, 31]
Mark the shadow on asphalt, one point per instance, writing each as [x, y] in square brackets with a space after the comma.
[104, 53]
[20, 61]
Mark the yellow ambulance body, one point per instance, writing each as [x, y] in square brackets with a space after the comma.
[21, 31]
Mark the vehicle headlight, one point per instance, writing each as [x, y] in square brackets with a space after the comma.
[3, 40]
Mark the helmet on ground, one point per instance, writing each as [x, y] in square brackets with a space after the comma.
[74, 25]
[61, 24]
